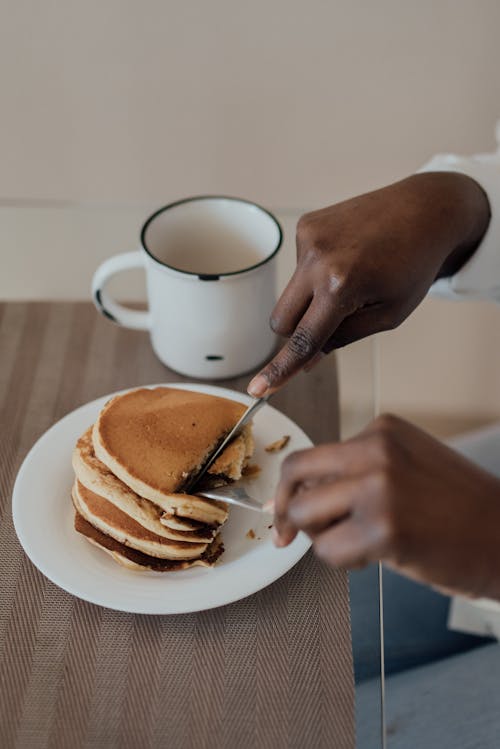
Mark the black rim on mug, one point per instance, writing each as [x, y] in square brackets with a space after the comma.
[208, 276]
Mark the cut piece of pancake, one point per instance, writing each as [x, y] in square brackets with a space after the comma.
[136, 560]
[208, 511]
[156, 440]
[97, 477]
[110, 520]
[232, 461]
[178, 523]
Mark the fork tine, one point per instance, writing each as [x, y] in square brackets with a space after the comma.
[233, 495]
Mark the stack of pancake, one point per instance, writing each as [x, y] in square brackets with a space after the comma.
[131, 468]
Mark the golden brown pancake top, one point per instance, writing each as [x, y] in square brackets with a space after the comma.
[93, 474]
[162, 435]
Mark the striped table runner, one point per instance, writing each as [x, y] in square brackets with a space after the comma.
[273, 670]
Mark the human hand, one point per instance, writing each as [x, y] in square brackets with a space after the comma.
[394, 493]
[363, 265]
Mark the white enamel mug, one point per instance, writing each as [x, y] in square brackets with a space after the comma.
[210, 267]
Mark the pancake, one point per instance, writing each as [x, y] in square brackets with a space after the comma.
[136, 560]
[155, 440]
[113, 522]
[178, 523]
[231, 463]
[95, 476]
[208, 511]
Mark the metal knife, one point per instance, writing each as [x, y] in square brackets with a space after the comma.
[251, 411]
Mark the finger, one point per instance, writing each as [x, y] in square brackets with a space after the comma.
[292, 304]
[315, 509]
[361, 324]
[337, 460]
[268, 507]
[285, 540]
[284, 531]
[310, 335]
[353, 457]
[347, 544]
[314, 361]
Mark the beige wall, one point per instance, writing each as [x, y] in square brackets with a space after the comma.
[122, 105]
[444, 360]
[291, 103]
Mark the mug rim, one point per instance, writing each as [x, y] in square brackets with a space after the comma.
[210, 276]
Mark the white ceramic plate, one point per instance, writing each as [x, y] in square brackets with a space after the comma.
[43, 518]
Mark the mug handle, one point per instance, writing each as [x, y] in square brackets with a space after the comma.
[118, 313]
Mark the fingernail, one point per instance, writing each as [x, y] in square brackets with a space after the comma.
[268, 507]
[258, 386]
[277, 540]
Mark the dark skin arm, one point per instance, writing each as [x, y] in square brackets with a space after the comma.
[365, 264]
[395, 494]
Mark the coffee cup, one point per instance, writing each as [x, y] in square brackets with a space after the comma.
[210, 264]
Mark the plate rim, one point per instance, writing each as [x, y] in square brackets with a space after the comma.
[302, 543]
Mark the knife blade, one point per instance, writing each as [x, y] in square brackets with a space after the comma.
[252, 409]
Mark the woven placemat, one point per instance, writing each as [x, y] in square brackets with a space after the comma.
[273, 670]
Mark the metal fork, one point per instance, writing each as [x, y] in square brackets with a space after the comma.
[233, 495]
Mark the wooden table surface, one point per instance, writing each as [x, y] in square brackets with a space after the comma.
[273, 670]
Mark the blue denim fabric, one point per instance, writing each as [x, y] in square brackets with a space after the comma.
[415, 619]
